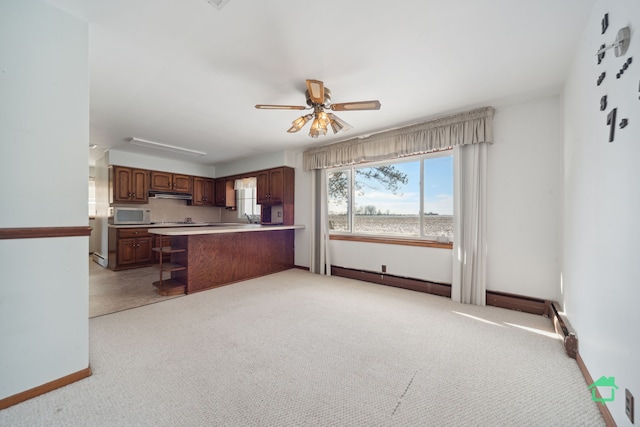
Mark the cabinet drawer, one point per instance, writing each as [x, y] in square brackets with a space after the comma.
[126, 233]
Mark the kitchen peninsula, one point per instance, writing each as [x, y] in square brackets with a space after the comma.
[208, 257]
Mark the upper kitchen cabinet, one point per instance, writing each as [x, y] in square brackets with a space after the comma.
[164, 181]
[275, 186]
[225, 193]
[203, 191]
[128, 185]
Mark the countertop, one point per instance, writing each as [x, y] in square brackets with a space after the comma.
[179, 224]
[220, 228]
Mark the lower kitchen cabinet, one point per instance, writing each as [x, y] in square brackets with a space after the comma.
[130, 248]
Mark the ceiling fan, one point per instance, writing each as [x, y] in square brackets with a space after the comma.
[319, 99]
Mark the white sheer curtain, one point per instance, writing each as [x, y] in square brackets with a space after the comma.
[320, 253]
[469, 235]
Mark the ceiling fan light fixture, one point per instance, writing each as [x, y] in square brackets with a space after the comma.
[318, 127]
[299, 123]
[337, 124]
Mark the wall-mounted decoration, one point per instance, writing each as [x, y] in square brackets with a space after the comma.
[620, 45]
[624, 67]
[603, 103]
[611, 122]
[601, 52]
[601, 78]
[604, 24]
[624, 123]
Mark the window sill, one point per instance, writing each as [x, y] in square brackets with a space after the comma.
[392, 241]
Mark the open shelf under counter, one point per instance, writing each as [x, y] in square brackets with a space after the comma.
[221, 255]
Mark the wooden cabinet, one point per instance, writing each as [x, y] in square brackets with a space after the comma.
[275, 194]
[274, 185]
[225, 195]
[129, 247]
[164, 181]
[128, 185]
[203, 192]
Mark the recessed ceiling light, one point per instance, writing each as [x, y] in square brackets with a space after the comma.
[166, 147]
[218, 4]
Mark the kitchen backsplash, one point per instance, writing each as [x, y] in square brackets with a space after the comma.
[168, 210]
[232, 216]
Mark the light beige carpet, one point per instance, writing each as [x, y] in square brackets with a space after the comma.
[113, 291]
[296, 349]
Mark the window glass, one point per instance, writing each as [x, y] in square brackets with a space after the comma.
[403, 198]
[338, 195]
[387, 199]
[92, 197]
[438, 198]
[246, 203]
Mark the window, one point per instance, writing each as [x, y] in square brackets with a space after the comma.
[408, 198]
[92, 197]
[246, 199]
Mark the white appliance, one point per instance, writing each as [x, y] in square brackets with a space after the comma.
[122, 216]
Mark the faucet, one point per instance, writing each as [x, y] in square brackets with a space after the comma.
[248, 218]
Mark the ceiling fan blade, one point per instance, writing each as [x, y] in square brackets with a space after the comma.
[316, 91]
[279, 107]
[362, 105]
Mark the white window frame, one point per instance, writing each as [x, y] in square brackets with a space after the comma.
[350, 211]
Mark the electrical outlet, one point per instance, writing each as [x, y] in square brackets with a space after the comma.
[384, 268]
[628, 404]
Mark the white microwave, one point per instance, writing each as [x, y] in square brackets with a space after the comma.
[123, 216]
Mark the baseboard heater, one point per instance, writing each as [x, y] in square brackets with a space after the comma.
[441, 289]
[98, 258]
[519, 303]
[564, 330]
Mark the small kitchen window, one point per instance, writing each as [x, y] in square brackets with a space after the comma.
[246, 198]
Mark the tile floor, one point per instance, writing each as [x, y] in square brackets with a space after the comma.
[112, 291]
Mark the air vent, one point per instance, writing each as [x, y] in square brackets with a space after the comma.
[218, 4]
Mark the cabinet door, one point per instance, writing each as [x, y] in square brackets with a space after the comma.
[143, 249]
[140, 186]
[198, 192]
[220, 192]
[121, 183]
[230, 196]
[126, 251]
[207, 191]
[262, 187]
[182, 183]
[276, 185]
[161, 181]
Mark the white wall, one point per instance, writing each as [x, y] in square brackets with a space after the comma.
[44, 137]
[256, 163]
[522, 210]
[601, 206]
[523, 181]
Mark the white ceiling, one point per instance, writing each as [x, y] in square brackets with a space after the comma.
[182, 72]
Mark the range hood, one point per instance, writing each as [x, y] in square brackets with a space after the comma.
[170, 195]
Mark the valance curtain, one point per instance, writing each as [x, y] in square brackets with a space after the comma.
[472, 127]
[243, 183]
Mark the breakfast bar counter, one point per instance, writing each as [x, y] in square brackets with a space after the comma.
[208, 257]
